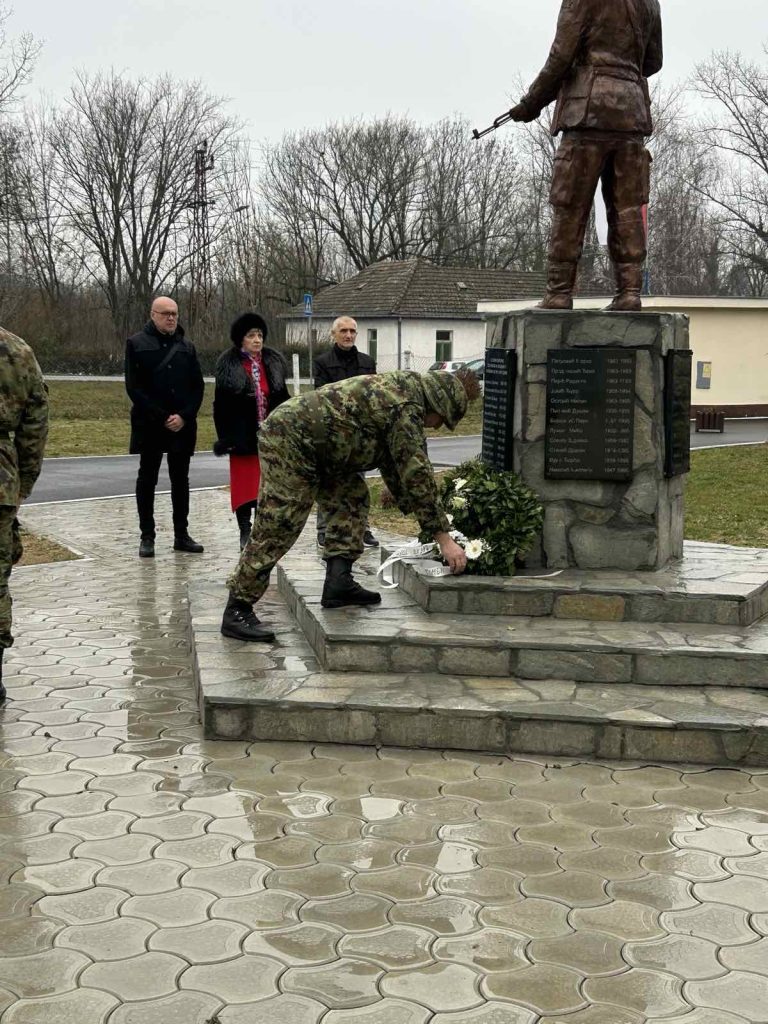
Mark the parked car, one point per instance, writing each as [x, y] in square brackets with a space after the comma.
[477, 366]
[451, 365]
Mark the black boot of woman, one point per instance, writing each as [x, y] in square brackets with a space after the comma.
[243, 513]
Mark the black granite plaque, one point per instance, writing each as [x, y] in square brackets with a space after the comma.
[677, 411]
[590, 414]
[498, 407]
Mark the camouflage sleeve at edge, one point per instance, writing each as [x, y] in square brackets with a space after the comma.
[32, 432]
[416, 481]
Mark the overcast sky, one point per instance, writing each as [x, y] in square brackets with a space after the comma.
[288, 64]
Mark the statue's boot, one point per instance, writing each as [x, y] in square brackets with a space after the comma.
[340, 589]
[629, 284]
[561, 277]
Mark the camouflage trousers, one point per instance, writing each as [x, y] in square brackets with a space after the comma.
[10, 553]
[290, 484]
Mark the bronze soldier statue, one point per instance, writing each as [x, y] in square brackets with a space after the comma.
[597, 69]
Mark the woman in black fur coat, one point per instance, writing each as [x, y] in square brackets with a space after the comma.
[250, 383]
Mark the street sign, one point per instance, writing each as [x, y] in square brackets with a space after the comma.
[307, 304]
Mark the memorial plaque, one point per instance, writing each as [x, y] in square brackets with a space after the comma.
[590, 414]
[498, 407]
[677, 411]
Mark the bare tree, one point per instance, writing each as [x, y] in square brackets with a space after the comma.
[737, 130]
[17, 59]
[357, 183]
[126, 149]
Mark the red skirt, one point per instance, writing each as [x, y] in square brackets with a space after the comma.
[244, 479]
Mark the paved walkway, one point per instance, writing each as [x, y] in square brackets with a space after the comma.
[150, 877]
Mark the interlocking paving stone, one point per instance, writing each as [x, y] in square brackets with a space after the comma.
[84, 1004]
[147, 975]
[546, 890]
[182, 1007]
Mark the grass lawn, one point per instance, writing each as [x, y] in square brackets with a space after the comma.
[38, 550]
[726, 496]
[726, 499]
[92, 418]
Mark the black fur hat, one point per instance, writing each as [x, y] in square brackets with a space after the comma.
[244, 323]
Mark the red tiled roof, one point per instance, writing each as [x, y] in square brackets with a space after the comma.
[418, 288]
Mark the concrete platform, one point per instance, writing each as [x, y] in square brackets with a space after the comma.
[280, 692]
[401, 637]
[713, 583]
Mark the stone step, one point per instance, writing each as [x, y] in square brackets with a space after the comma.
[399, 636]
[278, 692]
[712, 583]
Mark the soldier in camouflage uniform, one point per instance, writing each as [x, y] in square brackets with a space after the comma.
[23, 431]
[315, 447]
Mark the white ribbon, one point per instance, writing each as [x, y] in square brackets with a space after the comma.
[416, 554]
[410, 554]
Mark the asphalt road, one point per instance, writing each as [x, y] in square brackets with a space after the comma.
[112, 476]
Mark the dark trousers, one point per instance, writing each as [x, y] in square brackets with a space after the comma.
[146, 482]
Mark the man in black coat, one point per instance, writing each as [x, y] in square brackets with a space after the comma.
[165, 384]
[344, 360]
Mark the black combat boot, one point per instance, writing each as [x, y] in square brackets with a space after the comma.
[183, 542]
[240, 623]
[340, 589]
[243, 513]
[3, 694]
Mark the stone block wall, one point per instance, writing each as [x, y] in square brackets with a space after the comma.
[597, 524]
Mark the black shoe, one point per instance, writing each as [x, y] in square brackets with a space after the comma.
[186, 543]
[3, 694]
[245, 536]
[147, 547]
[369, 540]
[340, 589]
[240, 623]
[321, 540]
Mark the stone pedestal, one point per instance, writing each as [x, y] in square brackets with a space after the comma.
[598, 524]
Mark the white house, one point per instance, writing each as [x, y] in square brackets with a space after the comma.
[413, 313]
[729, 340]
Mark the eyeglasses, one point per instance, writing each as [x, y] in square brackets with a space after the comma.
[170, 316]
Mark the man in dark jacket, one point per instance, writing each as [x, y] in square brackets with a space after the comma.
[165, 384]
[343, 361]
[602, 56]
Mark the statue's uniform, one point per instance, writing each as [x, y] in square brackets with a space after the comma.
[597, 69]
[315, 447]
[23, 432]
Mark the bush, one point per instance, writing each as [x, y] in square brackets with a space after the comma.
[499, 516]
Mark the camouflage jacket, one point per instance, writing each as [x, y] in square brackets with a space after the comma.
[23, 419]
[370, 422]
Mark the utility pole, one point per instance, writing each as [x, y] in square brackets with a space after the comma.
[200, 263]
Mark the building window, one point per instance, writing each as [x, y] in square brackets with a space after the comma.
[443, 346]
[373, 343]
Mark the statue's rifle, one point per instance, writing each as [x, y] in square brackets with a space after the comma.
[502, 119]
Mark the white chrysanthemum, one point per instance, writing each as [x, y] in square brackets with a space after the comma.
[458, 501]
[474, 548]
[459, 482]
